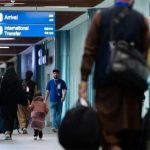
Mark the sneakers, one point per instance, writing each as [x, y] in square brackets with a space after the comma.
[38, 133]
[24, 131]
[35, 137]
[8, 135]
[54, 130]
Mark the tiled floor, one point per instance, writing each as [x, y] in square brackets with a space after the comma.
[26, 142]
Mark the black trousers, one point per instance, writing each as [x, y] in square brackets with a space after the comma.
[38, 132]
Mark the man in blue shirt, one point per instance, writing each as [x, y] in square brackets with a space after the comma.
[57, 89]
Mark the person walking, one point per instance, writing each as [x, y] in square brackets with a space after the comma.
[38, 112]
[57, 89]
[119, 108]
[30, 88]
[29, 85]
[12, 94]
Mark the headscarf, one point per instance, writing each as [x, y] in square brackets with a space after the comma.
[10, 82]
[11, 87]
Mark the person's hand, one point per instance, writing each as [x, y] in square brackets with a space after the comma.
[83, 90]
[29, 107]
[28, 103]
[62, 99]
[45, 101]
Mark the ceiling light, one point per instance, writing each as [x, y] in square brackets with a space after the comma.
[2, 39]
[12, 1]
[4, 47]
[11, 4]
[4, 3]
[56, 6]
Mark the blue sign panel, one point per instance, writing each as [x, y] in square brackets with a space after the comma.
[27, 30]
[22, 17]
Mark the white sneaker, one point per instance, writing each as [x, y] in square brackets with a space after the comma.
[35, 137]
[24, 131]
[7, 136]
[54, 130]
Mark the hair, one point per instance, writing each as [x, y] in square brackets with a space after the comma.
[80, 122]
[29, 74]
[56, 70]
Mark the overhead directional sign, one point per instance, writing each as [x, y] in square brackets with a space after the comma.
[27, 24]
[28, 30]
[22, 17]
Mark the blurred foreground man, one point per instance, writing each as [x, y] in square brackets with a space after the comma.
[119, 108]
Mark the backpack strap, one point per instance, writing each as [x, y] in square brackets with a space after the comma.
[116, 19]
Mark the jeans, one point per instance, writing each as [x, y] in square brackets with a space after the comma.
[56, 110]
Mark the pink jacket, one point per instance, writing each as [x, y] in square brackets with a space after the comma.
[38, 112]
[38, 105]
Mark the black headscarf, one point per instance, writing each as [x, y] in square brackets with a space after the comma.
[10, 83]
[12, 91]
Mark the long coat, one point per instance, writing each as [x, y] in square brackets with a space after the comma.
[12, 94]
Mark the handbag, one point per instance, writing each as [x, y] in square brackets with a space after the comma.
[127, 65]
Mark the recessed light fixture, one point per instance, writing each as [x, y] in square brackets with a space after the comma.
[4, 47]
[2, 39]
[12, 1]
[4, 3]
[56, 6]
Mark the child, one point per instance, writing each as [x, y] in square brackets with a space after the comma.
[38, 112]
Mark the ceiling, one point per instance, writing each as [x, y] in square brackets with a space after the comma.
[66, 11]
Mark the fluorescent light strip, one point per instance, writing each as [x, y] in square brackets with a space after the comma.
[4, 47]
[8, 54]
[2, 39]
[4, 3]
[56, 6]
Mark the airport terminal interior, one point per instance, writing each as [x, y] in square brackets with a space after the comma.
[41, 35]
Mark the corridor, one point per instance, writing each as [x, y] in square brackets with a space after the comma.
[26, 142]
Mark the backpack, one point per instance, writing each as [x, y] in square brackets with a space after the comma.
[125, 31]
[126, 64]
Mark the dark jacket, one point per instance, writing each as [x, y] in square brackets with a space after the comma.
[12, 91]
[133, 27]
[12, 94]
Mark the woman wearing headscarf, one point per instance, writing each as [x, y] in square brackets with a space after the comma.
[12, 94]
